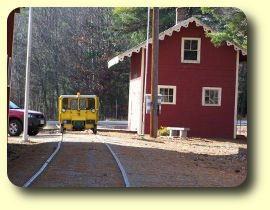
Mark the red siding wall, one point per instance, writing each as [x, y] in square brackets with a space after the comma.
[136, 65]
[216, 69]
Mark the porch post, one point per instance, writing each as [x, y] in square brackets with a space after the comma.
[236, 94]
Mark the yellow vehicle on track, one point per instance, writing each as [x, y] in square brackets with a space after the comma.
[78, 112]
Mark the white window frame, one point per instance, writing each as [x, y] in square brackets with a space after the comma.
[174, 93]
[211, 88]
[198, 52]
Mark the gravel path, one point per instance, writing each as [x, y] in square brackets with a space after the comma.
[180, 162]
[83, 161]
[25, 159]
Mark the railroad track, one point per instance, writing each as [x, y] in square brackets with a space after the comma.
[123, 172]
[54, 162]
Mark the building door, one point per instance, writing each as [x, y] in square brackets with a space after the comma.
[134, 111]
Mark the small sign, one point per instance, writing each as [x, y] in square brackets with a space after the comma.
[148, 103]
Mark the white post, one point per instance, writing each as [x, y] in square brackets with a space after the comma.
[176, 14]
[236, 95]
[28, 59]
[145, 75]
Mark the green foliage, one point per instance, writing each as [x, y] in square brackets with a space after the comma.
[218, 38]
[163, 131]
[230, 23]
[130, 23]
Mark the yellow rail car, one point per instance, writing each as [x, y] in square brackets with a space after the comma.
[78, 112]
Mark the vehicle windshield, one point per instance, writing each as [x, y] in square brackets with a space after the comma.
[13, 106]
[84, 104]
[87, 103]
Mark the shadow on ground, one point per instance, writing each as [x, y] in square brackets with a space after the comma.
[145, 167]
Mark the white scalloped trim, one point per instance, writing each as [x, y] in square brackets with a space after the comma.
[169, 32]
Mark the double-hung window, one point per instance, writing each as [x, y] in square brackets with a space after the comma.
[190, 50]
[168, 94]
[211, 96]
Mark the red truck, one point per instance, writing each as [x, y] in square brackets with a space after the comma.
[36, 121]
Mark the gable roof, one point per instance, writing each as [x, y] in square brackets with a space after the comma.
[169, 32]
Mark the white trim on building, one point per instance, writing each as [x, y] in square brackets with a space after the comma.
[139, 131]
[168, 87]
[204, 89]
[169, 32]
[236, 94]
[198, 50]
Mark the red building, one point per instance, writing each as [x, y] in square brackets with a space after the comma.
[198, 81]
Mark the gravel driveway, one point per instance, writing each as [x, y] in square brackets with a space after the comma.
[83, 161]
[187, 162]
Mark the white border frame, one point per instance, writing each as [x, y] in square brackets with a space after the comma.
[174, 93]
[211, 88]
[198, 52]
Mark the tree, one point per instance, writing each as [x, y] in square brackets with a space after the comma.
[130, 23]
[230, 23]
[70, 50]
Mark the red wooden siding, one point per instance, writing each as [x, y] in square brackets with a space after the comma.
[136, 65]
[216, 69]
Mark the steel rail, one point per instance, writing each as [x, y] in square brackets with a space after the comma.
[45, 164]
[122, 170]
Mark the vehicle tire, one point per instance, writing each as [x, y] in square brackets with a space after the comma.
[61, 129]
[15, 127]
[94, 129]
[33, 131]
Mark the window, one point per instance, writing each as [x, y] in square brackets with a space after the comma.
[211, 96]
[87, 104]
[13, 106]
[91, 103]
[65, 103]
[190, 50]
[82, 104]
[74, 104]
[168, 94]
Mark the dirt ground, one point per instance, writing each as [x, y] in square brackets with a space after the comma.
[24, 159]
[160, 162]
[185, 162]
[242, 130]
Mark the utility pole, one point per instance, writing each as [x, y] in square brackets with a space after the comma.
[154, 74]
[27, 79]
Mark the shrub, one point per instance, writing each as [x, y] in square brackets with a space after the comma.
[163, 131]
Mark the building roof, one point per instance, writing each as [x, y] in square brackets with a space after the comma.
[169, 32]
[75, 96]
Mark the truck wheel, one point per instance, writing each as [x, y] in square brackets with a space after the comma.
[33, 131]
[94, 129]
[15, 127]
[62, 129]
